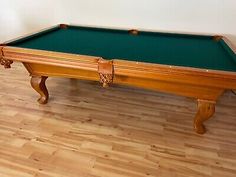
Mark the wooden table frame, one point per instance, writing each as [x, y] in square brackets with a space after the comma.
[202, 84]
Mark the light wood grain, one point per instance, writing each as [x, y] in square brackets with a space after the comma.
[88, 131]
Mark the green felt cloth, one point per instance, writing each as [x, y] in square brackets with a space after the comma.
[163, 48]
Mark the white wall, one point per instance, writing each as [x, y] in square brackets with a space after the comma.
[18, 17]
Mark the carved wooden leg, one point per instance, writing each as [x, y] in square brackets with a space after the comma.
[206, 109]
[38, 84]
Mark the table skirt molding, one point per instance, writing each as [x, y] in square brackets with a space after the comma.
[188, 75]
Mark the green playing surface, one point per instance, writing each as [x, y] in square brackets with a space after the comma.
[162, 48]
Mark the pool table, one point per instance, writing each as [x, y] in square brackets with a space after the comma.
[196, 66]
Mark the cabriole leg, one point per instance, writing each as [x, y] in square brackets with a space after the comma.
[205, 110]
[38, 84]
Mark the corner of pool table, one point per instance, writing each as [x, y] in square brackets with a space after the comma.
[196, 66]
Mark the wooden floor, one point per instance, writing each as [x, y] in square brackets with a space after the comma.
[88, 131]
